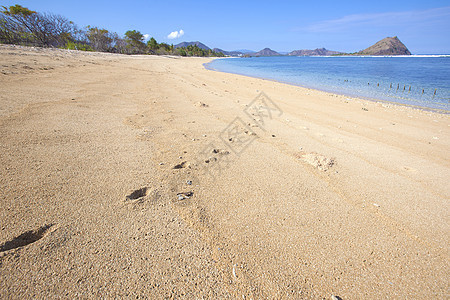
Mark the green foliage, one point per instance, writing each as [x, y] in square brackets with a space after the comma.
[134, 35]
[78, 46]
[17, 10]
[165, 46]
[152, 44]
[194, 50]
[135, 42]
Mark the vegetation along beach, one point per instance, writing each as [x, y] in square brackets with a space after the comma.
[131, 166]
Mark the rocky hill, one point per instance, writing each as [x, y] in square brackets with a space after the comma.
[265, 52]
[315, 52]
[387, 46]
[185, 44]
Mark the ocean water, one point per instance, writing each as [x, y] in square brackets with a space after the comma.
[414, 80]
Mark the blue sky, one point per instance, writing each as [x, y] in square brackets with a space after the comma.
[423, 26]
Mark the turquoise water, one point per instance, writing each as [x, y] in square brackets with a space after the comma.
[406, 80]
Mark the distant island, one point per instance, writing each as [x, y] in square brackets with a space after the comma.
[265, 52]
[387, 46]
[315, 52]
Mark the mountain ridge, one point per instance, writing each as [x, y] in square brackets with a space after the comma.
[264, 52]
[386, 46]
[197, 43]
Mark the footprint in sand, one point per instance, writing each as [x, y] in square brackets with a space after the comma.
[141, 196]
[182, 187]
[26, 238]
[182, 165]
[318, 161]
[137, 194]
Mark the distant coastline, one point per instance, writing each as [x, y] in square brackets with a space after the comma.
[412, 55]
[384, 92]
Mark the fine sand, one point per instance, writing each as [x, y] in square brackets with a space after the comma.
[152, 177]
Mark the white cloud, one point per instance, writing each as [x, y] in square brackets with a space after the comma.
[146, 37]
[406, 18]
[175, 34]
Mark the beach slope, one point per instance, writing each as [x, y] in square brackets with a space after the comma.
[152, 177]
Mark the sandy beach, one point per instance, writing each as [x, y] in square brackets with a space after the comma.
[153, 177]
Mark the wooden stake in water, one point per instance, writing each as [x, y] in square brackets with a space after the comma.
[391, 86]
[398, 86]
[423, 91]
[434, 92]
[409, 89]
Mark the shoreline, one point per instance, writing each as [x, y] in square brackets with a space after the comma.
[154, 177]
[436, 110]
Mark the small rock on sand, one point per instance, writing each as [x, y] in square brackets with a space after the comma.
[201, 104]
[182, 196]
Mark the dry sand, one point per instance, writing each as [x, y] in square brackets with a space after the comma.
[119, 178]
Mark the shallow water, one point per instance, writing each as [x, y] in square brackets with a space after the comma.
[408, 80]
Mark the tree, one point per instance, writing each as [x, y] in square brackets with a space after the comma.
[164, 49]
[135, 41]
[99, 39]
[153, 44]
[17, 10]
[15, 26]
[165, 46]
[119, 45]
[19, 25]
